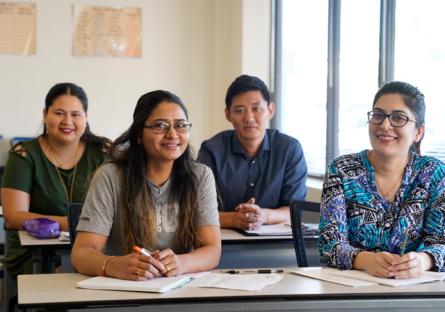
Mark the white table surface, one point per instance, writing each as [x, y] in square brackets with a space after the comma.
[227, 235]
[232, 235]
[27, 240]
[60, 288]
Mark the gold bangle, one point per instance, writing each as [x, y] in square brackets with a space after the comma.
[104, 266]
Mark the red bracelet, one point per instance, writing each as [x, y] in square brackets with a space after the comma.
[104, 266]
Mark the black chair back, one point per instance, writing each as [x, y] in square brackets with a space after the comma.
[16, 140]
[296, 213]
[1, 176]
[74, 210]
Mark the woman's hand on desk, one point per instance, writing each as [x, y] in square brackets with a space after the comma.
[385, 264]
[412, 264]
[135, 266]
[375, 263]
[171, 262]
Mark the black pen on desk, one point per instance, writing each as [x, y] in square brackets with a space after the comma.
[259, 271]
[269, 271]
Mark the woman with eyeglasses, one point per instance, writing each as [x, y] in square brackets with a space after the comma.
[153, 195]
[383, 210]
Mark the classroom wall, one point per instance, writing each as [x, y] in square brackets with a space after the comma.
[314, 188]
[193, 48]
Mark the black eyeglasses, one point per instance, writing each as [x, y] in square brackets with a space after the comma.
[396, 120]
[161, 127]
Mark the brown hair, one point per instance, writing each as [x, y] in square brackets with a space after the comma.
[138, 218]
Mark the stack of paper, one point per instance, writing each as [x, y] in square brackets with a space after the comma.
[158, 285]
[249, 282]
[360, 278]
[282, 229]
[271, 229]
[427, 277]
[310, 229]
[323, 274]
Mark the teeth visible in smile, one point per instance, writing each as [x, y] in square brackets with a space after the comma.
[386, 137]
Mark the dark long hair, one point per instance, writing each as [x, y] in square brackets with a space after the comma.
[138, 218]
[414, 100]
[68, 88]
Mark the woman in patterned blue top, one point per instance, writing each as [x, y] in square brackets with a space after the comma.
[383, 210]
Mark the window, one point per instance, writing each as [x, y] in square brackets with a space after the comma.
[305, 70]
[359, 64]
[352, 47]
[420, 60]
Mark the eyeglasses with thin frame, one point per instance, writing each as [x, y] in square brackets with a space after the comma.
[161, 127]
[395, 119]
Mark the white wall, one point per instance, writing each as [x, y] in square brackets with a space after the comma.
[256, 47]
[193, 48]
[314, 187]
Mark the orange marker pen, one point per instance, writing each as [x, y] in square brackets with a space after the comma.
[142, 251]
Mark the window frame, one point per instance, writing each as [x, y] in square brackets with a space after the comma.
[385, 66]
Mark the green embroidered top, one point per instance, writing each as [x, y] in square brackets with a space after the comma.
[29, 170]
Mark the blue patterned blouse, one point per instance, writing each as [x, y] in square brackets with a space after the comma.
[355, 217]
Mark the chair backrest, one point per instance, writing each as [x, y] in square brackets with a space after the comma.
[16, 140]
[74, 210]
[2, 169]
[296, 213]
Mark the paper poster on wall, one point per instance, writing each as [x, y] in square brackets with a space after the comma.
[106, 31]
[17, 28]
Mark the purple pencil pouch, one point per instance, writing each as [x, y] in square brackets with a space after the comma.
[42, 228]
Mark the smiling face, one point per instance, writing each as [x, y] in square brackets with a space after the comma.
[168, 146]
[249, 115]
[65, 119]
[389, 141]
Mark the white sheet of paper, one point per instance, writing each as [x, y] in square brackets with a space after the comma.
[272, 229]
[322, 274]
[64, 236]
[361, 275]
[158, 285]
[249, 282]
[440, 276]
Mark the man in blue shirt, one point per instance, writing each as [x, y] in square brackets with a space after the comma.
[258, 171]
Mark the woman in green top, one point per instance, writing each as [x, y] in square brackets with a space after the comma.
[44, 175]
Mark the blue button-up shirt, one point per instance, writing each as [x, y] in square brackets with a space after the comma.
[274, 177]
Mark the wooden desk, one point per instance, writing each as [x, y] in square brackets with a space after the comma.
[293, 293]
